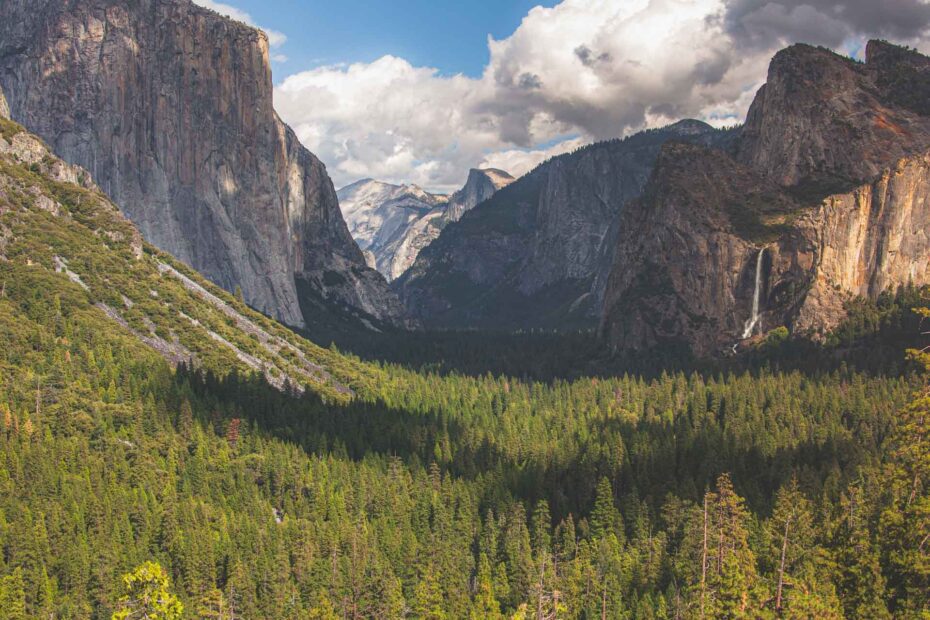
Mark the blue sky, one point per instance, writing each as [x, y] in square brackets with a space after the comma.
[413, 91]
[448, 35]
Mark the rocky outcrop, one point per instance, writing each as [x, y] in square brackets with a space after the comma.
[395, 222]
[828, 201]
[169, 105]
[481, 184]
[867, 241]
[380, 215]
[686, 257]
[537, 254]
[824, 123]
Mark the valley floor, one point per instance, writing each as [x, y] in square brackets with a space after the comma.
[445, 495]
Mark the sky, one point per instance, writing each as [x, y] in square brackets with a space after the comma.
[417, 91]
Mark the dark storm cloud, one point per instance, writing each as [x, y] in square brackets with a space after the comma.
[761, 24]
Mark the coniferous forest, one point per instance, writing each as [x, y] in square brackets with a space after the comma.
[131, 486]
[760, 494]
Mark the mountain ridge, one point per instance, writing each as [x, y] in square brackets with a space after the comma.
[189, 145]
[393, 223]
[825, 198]
[536, 255]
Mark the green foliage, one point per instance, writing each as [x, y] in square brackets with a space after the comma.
[450, 493]
[13, 597]
[148, 595]
[9, 129]
[605, 519]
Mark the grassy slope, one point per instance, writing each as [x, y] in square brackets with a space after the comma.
[92, 255]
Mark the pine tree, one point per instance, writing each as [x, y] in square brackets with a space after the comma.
[730, 565]
[428, 598]
[518, 555]
[861, 582]
[322, 608]
[212, 605]
[792, 548]
[148, 596]
[486, 606]
[905, 522]
[240, 593]
[605, 518]
[542, 524]
[566, 541]
[13, 597]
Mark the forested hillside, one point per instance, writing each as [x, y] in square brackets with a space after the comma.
[272, 478]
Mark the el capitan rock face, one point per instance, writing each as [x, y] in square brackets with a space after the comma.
[169, 106]
[830, 184]
[537, 253]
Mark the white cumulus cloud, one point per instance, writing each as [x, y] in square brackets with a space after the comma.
[580, 71]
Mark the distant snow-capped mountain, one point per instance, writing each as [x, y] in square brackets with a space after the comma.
[392, 223]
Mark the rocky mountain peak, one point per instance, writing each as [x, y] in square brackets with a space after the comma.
[880, 53]
[481, 184]
[901, 74]
[392, 223]
[689, 127]
[823, 123]
[499, 178]
[826, 200]
[187, 142]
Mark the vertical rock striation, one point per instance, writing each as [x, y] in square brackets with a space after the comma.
[538, 252]
[831, 179]
[169, 105]
[393, 223]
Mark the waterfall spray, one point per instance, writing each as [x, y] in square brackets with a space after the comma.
[750, 324]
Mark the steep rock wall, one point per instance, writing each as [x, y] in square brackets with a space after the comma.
[169, 106]
[684, 269]
[829, 182]
[537, 254]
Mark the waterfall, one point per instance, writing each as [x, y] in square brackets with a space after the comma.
[750, 324]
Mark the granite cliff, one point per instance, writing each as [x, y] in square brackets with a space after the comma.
[826, 199]
[537, 253]
[393, 223]
[169, 105]
[481, 184]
